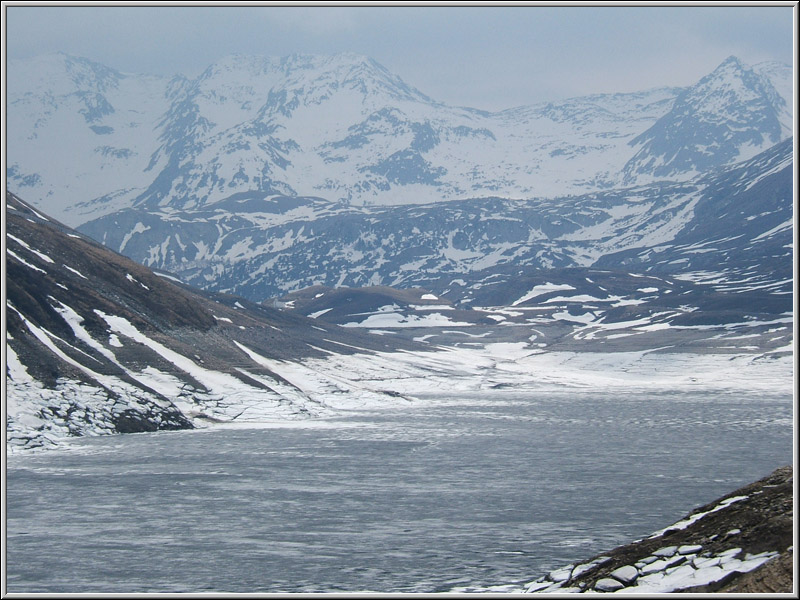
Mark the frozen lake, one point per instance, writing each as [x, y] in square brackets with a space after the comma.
[488, 489]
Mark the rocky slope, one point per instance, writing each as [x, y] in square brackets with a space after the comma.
[98, 344]
[740, 543]
[726, 112]
[344, 128]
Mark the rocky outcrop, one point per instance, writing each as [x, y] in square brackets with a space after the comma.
[773, 577]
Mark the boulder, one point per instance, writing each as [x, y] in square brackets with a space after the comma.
[626, 574]
[561, 575]
[665, 551]
[608, 585]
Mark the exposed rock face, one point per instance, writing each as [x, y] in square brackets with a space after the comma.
[741, 543]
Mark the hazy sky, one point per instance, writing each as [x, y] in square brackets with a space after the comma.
[485, 57]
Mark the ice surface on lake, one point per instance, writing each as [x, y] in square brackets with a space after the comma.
[468, 489]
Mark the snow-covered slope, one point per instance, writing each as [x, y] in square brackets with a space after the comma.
[82, 133]
[728, 228]
[344, 128]
[729, 115]
[98, 344]
[741, 236]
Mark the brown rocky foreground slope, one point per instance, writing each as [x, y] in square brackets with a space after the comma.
[740, 543]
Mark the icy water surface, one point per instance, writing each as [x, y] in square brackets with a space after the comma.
[485, 490]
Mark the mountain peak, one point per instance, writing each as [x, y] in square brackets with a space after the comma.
[731, 104]
[291, 62]
[305, 71]
[731, 86]
[61, 74]
[729, 70]
[344, 127]
[731, 75]
[731, 61]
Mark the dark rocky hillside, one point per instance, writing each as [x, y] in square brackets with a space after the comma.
[99, 344]
[572, 309]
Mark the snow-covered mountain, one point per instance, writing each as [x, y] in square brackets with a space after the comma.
[80, 130]
[729, 115]
[731, 229]
[344, 128]
[99, 344]
[265, 176]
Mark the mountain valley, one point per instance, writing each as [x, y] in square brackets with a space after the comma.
[98, 344]
[392, 320]
[278, 213]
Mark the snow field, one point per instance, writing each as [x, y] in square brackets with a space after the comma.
[322, 387]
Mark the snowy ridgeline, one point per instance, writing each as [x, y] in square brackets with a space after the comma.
[264, 124]
[730, 230]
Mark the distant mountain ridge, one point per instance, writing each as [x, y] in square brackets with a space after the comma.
[731, 228]
[346, 129]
